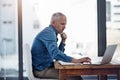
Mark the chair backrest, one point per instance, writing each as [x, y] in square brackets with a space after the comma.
[28, 62]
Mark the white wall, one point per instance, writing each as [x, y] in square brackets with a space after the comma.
[29, 17]
[81, 22]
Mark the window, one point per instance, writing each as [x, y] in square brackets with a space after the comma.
[108, 11]
[8, 40]
[113, 26]
[81, 21]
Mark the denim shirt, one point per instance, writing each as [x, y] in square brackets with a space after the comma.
[45, 49]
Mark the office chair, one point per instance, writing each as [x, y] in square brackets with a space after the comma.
[28, 63]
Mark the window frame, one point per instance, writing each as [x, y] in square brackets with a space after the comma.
[101, 11]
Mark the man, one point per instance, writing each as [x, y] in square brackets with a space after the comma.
[45, 49]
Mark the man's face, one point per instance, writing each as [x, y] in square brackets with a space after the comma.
[60, 24]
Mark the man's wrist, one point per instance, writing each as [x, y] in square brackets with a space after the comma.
[74, 60]
[63, 41]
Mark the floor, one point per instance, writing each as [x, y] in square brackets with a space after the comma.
[94, 77]
[87, 77]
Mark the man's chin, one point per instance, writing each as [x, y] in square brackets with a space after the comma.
[60, 32]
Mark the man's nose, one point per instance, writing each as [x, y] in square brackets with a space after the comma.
[64, 27]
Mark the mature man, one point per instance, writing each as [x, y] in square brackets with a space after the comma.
[45, 49]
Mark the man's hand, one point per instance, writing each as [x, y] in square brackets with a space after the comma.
[82, 60]
[63, 37]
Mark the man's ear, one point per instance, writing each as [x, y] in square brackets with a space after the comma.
[53, 23]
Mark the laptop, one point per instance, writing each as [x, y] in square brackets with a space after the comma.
[100, 60]
[107, 57]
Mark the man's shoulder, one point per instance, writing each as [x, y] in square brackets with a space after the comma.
[47, 30]
[47, 33]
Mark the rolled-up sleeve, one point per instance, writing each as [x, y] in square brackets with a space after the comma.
[55, 52]
[62, 46]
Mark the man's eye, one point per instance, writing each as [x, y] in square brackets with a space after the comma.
[62, 23]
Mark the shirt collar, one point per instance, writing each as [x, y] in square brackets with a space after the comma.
[54, 29]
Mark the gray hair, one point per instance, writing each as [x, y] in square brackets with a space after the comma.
[56, 16]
